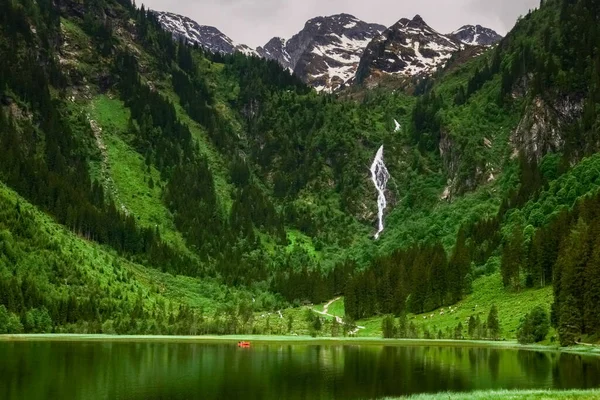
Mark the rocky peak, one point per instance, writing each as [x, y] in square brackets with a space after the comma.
[326, 52]
[476, 35]
[410, 47]
[207, 37]
[416, 23]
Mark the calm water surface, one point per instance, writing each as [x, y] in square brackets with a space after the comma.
[146, 371]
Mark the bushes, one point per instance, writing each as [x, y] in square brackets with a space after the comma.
[9, 322]
[38, 321]
[388, 327]
[534, 327]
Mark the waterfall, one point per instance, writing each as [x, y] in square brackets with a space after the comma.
[380, 177]
[398, 127]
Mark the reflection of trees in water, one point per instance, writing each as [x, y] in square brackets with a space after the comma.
[394, 371]
[537, 366]
[494, 364]
[572, 371]
[188, 371]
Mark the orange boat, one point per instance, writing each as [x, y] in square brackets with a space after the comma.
[244, 344]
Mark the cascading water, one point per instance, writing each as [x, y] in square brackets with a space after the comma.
[380, 177]
[398, 127]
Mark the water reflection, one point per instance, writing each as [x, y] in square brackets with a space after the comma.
[195, 371]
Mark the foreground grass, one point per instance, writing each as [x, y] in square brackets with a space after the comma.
[510, 394]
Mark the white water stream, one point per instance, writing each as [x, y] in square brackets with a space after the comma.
[380, 177]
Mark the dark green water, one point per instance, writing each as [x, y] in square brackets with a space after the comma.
[149, 371]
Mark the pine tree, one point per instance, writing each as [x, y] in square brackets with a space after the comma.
[388, 327]
[512, 259]
[591, 298]
[458, 331]
[570, 325]
[493, 324]
[403, 326]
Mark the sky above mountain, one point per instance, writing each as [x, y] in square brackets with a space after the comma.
[254, 22]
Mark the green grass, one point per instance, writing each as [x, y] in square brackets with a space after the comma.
[78, 48]
[217, 162]
[336, 308]
[130, 173]
[299, 240]
[487, 290]
[99, 268]
[510, 395]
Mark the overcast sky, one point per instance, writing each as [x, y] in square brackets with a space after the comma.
[254, 22]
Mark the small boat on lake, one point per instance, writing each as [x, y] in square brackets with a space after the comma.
[244, 344]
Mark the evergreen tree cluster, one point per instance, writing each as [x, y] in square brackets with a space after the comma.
[563, 254]
[45, 156]
[416, 280]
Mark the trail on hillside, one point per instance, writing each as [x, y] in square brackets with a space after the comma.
[339, 320]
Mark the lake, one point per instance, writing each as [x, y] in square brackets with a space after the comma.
[145, 371]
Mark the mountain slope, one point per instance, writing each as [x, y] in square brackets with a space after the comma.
[326, 52]
[408, 48]
[226, 175]
[207, 37]
[476, 35]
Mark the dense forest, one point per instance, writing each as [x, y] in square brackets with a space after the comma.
[227, 170]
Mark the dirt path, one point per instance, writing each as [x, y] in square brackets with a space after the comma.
[339, 320]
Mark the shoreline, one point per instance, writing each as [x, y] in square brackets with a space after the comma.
[298, 340]
[548, 394]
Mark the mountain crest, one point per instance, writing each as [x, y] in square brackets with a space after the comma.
[332, 51]
[476, 35]
[208, 37]
[409, 48]
[326, 52]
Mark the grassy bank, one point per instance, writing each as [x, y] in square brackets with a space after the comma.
[295, 340]
[511, 394]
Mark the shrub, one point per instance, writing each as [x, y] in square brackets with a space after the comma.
[534, 327]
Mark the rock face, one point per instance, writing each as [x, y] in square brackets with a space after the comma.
[332, 52]
[204, 36]
[326, 53]
[476, 35]
[540, 130]
[276, 49]
[409, 48]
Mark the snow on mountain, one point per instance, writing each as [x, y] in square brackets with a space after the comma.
[409, 48]
[326, 53]
[276, 50]
[332, 52]
[207, 37]
[476, 35]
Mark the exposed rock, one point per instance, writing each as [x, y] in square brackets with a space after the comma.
[204, 36]
[540, 130]
[333, 52]
[476, 35]
[408, 48]
[326, 53]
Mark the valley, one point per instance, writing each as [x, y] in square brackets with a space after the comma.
[354, 184]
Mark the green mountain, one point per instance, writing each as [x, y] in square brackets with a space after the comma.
[151, 187]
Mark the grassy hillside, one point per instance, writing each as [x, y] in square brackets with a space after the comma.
[205, 192]
[487, 291]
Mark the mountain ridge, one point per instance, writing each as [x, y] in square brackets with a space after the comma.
[327, 52]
